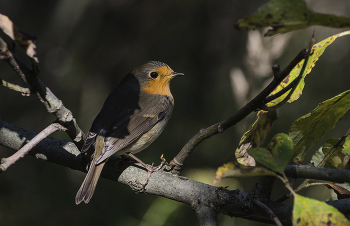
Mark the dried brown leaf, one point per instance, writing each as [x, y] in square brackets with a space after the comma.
[341, 192]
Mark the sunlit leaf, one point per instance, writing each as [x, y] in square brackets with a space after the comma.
[277, 154]
[346, 146]
[253, 137]
[310, 128]
[308, 211]
[236, 170]
[317, 51]
[24, 40]
[288, 15]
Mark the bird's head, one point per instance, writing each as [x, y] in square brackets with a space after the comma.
[154, 77]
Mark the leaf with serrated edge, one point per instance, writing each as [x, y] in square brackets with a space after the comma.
[317, 51]
[310, 128]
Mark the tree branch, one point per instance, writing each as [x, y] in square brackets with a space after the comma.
[334, 175]
[214, 200]
[311, 172]
[24, 91]
[220, 127]
[52, 103]
[207, 216]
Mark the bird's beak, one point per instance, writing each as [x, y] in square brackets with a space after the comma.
[176, 74]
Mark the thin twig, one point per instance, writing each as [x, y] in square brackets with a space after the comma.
[24, 91]
[329, 154]
[268, 211]
[5, 54]
[7, 162]
[52, 103]
[334, 148]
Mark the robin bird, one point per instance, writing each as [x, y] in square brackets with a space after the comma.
[132, 117]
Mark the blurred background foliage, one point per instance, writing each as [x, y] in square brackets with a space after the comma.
[85, 48]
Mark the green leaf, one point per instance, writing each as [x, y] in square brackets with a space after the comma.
[336, 161]
[277, 154]
[288, 15]
[308, 211]
[317, 51]
[236, 170]
[346, 146]
[310, 128]
[253, 137]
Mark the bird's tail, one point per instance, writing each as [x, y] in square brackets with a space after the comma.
[88, 187]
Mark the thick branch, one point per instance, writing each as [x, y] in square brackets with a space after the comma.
[311, 172]
[233, 203]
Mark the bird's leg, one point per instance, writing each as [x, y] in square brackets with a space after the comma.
[149, 168]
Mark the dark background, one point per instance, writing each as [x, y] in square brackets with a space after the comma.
[85, 48]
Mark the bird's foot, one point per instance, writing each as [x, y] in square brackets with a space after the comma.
[149, 168]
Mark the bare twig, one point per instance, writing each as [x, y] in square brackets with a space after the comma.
[24, 91]
[7, 162]
[52, 103]
[268, 211]
[5, 54]
[334, 148]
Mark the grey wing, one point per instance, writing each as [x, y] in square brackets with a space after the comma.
[126, 131]
[115, 100]
[94, 130]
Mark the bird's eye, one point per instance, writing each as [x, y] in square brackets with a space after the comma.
[154, 75]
